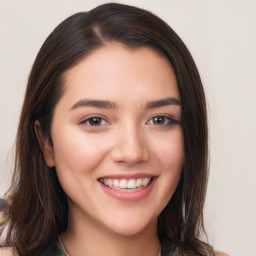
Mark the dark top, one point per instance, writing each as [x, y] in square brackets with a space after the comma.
[55, 249]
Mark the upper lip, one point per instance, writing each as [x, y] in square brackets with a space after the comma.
[127, 176]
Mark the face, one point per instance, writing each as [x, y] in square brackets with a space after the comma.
[117, 139]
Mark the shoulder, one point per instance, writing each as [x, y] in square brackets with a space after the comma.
[6, 251]
[221, 254]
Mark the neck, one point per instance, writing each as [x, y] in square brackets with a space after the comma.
[86, 237]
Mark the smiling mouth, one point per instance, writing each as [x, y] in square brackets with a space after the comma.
[127, 185]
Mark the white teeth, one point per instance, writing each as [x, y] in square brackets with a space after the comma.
[115, 183]
[107, 182]
[126, 183]
[145, 181]
[123, 184]
[131, 183]
[138, 183]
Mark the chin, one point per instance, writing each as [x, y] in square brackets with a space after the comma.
[133, 227]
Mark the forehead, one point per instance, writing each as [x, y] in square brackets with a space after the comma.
[116, 69]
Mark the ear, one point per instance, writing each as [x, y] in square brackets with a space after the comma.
[45, 145]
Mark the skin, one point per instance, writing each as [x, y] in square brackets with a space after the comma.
[126, 140]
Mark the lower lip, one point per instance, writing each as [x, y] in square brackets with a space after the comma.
[134, 196]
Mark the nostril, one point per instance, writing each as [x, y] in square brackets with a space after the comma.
[130, 155]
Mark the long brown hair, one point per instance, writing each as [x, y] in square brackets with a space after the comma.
[38, 205]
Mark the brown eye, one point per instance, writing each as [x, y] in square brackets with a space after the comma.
[94, 121]
[158, 120]
[162, 120]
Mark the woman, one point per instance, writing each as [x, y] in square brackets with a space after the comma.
[111, 154]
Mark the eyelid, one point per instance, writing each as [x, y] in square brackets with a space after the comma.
[171, 119]
[87, 118]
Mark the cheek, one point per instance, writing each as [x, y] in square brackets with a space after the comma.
[170, 158]
[169, 151]
[77, 156]
[75, 151]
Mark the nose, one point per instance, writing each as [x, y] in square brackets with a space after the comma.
[130, 147]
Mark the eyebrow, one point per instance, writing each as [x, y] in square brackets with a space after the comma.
[112, 105]
[163, 102]
[94, 103]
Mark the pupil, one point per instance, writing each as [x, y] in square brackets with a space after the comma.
[159, 120]
[94, 121]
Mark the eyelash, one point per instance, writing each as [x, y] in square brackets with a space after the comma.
[167, 121]
[88, 119]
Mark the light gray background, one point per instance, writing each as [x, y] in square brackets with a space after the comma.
[221, 35]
